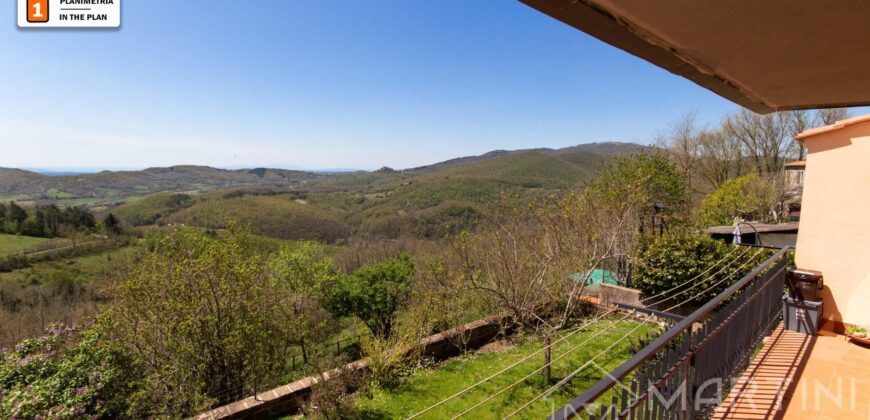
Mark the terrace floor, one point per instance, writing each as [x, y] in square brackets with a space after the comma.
[796, 376]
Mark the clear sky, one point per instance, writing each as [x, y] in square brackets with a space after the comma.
[322, 84]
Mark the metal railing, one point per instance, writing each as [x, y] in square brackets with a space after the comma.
[686, 371]
[335, 348]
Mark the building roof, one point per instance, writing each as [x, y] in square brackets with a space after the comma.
[764, 55]
[796, 164]
[839, 125]
[759, 227]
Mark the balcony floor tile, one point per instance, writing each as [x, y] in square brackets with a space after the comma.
[797, 377]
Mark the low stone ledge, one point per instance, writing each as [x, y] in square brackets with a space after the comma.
[609, 294]
[292, 397]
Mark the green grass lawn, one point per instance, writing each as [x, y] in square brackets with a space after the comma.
[429, 386]
[14, 197]
[55, 193]
[85, 269]
[10, 244]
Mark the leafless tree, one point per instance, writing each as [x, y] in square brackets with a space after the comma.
[800, 121]
[682, 144]
[767, 140]
[830, 116]
[523, 258]
[721, 157]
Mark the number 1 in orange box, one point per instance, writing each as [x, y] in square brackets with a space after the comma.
[37, 11]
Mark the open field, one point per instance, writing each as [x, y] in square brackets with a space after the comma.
[11, 244]
[84, 269]
[429, 386]
[14, 197]
[65, 290]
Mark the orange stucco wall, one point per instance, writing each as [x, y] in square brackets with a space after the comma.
[834, 233]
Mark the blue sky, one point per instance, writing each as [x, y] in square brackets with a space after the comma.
[322, 84]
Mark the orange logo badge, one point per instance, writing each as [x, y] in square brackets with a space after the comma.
[37, 11]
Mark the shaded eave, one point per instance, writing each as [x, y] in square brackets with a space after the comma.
[765, 56]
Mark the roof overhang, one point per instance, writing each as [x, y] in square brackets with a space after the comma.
[839, 125]
[764, 55]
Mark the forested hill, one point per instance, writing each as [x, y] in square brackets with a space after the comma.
[427, 201]
[591, 150]
[17, 182]
[26, 185]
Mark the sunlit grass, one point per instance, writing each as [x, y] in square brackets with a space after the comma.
[10, 244]
[429, 386]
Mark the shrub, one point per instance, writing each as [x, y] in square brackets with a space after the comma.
[728, 201]
[374, 293]
[69, 372]
[13, 262]
[206, 319]
[750, 196]
[662, 263]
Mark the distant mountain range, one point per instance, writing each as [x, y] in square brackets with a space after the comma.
[421, 201]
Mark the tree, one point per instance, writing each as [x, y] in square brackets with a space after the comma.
[646, 178]
[2, 216]
[523, 254]
[722, 158]
[830, 116]
[205, 319]
[760, 198]
[51, 219]
[79, 218]
[768, 140]
[111, 224]
[682, 143]
[374, 293]
[307, 275]
[17, 215]
[728, 201]
[33, 225]
[800, 121]
[648, 182]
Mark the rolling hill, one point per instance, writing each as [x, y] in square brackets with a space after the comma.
[109, 185]
[275, 216]
[427, 201]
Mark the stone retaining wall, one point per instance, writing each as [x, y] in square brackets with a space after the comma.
[290, 398]
[609, 294]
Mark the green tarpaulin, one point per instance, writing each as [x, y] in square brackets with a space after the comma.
[598, 276]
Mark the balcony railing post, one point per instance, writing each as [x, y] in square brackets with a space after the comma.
[691, 386]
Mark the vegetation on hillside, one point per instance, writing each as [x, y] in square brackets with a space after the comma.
[108, 185]
[45, 221]
[275, 216]
[429, 202]
[151, 208]
[208, 313]
[66, 291]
